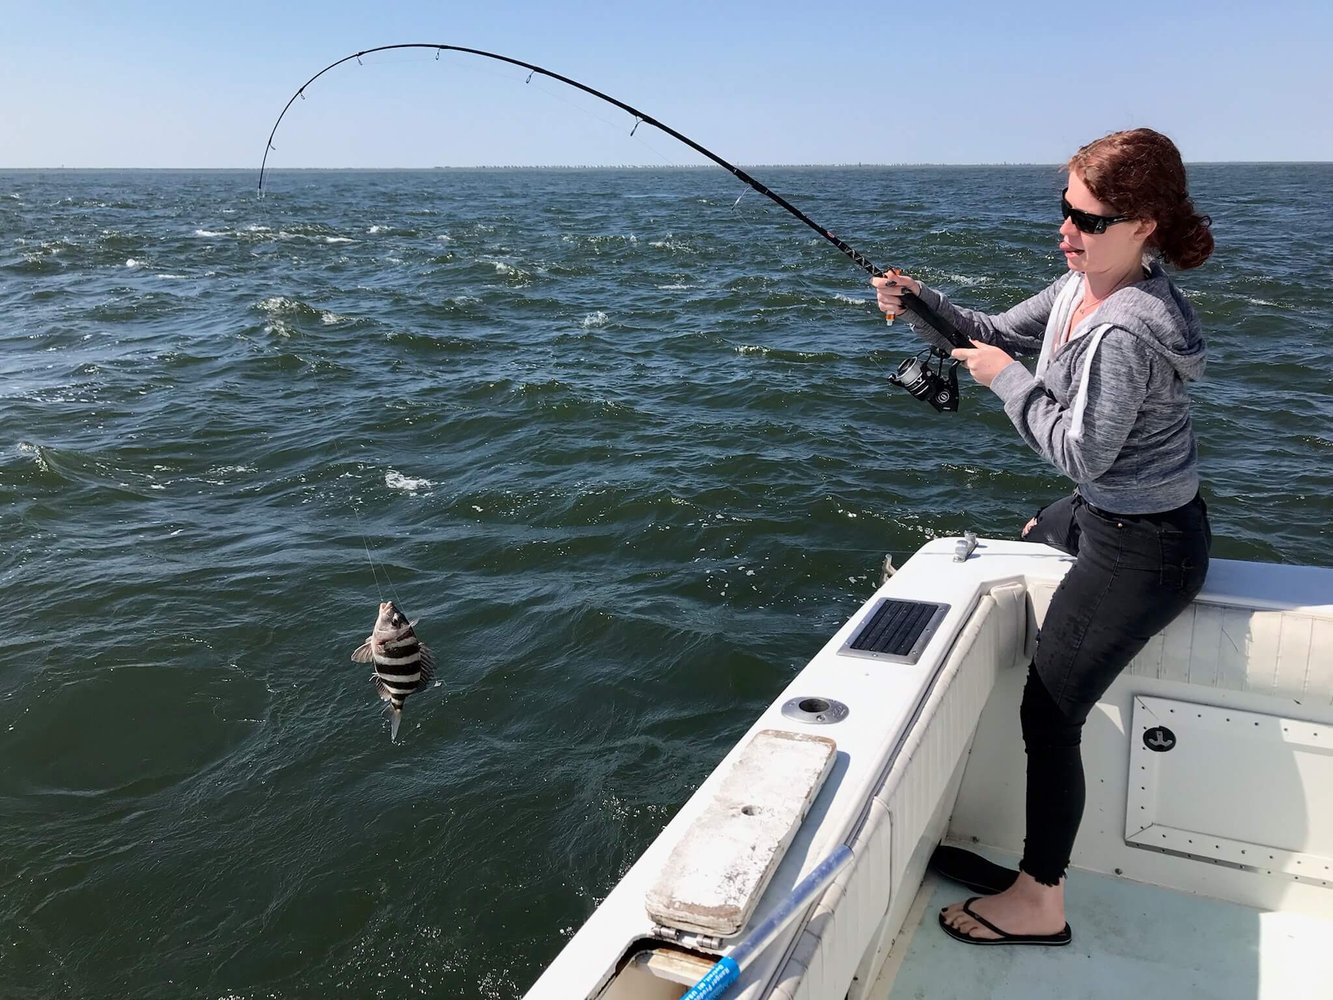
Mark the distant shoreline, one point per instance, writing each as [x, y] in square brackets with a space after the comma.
[623, 167]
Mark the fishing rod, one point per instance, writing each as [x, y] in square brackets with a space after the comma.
[726, 970]
[935, 386]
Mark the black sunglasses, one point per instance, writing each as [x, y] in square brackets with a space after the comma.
[1086, 222]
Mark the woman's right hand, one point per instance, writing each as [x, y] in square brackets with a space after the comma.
[889, 292]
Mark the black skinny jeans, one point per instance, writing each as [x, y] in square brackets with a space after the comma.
[1132, 576]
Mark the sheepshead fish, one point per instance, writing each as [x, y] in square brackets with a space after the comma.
[403, 663]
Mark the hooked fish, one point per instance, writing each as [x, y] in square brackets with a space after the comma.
[403, 663]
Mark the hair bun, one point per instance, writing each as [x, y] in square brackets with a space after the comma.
[1141, 173]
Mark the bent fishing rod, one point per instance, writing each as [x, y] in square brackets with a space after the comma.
[935, 386]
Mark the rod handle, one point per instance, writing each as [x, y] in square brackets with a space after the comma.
[934, 319]
[719, 978]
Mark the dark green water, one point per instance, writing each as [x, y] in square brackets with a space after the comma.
[624, 447]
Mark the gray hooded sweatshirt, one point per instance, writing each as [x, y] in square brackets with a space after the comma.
[1109, 408]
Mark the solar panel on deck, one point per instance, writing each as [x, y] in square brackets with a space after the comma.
[898, 628]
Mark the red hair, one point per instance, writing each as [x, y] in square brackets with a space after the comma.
[1139, 173]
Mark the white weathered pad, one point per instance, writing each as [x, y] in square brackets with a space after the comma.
[716, 874]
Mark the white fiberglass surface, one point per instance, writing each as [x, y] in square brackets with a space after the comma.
[1130, 940]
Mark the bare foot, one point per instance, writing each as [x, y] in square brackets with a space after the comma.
[1026, 907]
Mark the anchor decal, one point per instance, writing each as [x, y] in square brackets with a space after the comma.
[1159, 739]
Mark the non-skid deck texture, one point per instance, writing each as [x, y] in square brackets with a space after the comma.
[1130, 941]
[895, 627]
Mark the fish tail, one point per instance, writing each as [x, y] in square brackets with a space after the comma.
[395, 717]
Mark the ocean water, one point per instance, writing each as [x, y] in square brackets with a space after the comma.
[624, 445]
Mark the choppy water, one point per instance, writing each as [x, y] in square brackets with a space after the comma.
[625, 448]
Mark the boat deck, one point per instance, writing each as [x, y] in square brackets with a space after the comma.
[1130, 940]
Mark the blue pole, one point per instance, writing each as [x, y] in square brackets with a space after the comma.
[727, 970]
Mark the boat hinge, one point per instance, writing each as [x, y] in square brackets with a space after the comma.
[698, 942]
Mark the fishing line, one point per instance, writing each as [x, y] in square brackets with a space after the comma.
[361, 527]
[365, 543]
[554, 95]
[936, 387]
[930, 317]
[640, 118]
[345, 459]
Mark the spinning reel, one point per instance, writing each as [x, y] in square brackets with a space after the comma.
[936, 386]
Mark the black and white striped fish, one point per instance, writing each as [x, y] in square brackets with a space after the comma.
[403, 663]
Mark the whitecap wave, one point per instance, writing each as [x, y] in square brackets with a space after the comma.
[595, 320]
[397, 481]
[25, 448]
[279, 307]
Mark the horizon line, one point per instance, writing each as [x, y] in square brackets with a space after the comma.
[655, 166]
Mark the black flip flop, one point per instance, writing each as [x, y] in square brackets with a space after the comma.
[971, 870]
[1049, 940]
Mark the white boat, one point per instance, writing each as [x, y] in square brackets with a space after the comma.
[1204, 865]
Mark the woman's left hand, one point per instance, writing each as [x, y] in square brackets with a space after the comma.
[983, 361]
[889, 290]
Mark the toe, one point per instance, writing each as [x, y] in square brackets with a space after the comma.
[970, 928]
[957, 919]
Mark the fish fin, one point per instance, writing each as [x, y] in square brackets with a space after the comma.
[427, 665]
[380, 686]
[395, 717]
[363, 653]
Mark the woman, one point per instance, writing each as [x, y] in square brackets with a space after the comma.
[1107, 407]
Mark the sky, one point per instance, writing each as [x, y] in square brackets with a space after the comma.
[182, 84]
